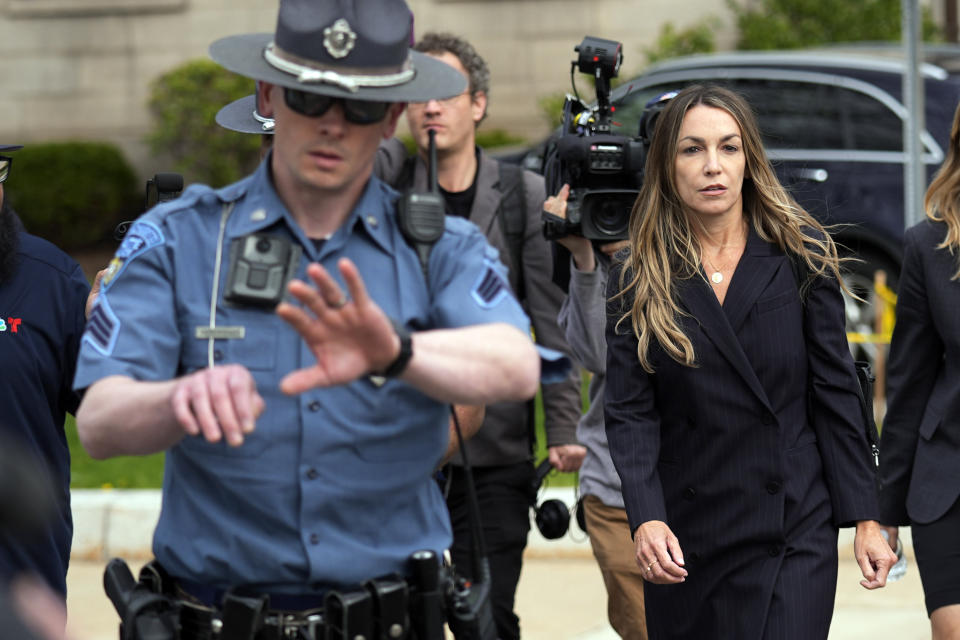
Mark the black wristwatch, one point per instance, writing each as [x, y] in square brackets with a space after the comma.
[406, 352]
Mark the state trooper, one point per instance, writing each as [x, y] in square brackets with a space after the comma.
[301, 419]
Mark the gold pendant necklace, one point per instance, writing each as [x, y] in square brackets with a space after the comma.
[717, 276]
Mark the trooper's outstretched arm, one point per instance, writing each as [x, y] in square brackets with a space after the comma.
[352, 337]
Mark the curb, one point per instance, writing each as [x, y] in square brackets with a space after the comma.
[114, 522]
[120, 522]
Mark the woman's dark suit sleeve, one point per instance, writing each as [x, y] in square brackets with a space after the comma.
[916, 352]
[631, 417]
[836, 416]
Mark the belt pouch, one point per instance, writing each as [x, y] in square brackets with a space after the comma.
[348, 615]
[242, 616]
[390, 606]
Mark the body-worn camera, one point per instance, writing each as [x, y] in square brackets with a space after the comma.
[260, 267]
[604, 171]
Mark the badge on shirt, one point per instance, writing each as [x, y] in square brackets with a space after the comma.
[141, 237]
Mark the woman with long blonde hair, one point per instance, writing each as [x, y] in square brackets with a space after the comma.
[732, 404]
[920, 465]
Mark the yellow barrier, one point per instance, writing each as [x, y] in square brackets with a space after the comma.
[884, 300]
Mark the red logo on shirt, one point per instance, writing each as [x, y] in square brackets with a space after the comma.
[11, 324]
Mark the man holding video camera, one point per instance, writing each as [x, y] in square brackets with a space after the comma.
[504, 201]
[301, 442]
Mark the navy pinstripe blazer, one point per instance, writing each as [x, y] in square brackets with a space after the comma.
[920, 443]
[727, 454]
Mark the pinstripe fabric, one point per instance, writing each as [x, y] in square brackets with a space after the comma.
[920, 446]
[727, 455]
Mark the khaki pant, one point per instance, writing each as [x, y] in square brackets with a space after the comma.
[613, 547]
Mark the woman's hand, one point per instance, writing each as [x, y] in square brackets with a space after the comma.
[658, 553]
[873, 554]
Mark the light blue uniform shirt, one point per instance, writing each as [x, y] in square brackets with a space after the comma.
[334, 486]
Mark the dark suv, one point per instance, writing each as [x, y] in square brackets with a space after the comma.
[832, 122]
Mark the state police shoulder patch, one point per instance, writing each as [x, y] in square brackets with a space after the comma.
[490, 287]
[141, 237]
[103, 327]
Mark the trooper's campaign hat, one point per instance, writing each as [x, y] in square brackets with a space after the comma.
[355, 49]
[242, 115]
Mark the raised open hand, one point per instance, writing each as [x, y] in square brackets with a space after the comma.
[349, 336]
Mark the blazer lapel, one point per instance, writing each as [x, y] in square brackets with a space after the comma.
[487, 199]
[700, 300]
[757, 267]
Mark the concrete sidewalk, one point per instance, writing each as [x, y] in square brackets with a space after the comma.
[560, 597]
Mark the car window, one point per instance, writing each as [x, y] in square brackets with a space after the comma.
[793, 115]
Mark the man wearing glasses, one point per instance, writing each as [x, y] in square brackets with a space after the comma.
[504, 201]
[300, 436]
[43, 294]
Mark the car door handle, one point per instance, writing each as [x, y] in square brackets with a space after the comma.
[810, 175]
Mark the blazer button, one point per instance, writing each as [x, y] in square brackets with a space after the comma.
[689, 493]
[767, 418]
[774, 551]
[314, 406]
[773, 487]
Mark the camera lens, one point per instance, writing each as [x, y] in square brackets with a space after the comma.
[610, 214]
[263, 245]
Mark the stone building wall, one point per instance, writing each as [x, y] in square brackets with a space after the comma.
[81, 69]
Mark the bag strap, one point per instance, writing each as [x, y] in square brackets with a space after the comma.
[512, 215]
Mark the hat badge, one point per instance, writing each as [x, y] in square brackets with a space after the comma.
[339, 38]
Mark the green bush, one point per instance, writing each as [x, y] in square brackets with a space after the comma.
[493, 138]
[792, 24]
[73, 193]
[551, 108]
[184, 103]
[486, 139]
[672, 43]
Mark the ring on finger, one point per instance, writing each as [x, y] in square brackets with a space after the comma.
[338, 304]
[650, 566]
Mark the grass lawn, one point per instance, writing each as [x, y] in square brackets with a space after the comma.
[146, 472]
[127, 472]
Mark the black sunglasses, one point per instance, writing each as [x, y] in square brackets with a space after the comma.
[314, 105]
[5, 163]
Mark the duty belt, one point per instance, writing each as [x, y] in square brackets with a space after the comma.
[378, 610]
[156, 606]
[249, 618]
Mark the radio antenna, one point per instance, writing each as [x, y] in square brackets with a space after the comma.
[432, 162]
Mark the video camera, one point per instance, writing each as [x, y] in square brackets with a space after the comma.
[604, 171]
[160, 188]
